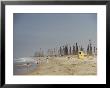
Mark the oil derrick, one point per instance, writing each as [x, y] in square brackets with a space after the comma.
[41, 54]
[66, 50]
[54, 51]
[48, 52]
[76, 51]
[73, 50]
[81, 49]
[60, 51]
[51, 52]
[57, 52]
[70, 50]
[35, 54]
[63, 50]
[88, 49]
[94, 49]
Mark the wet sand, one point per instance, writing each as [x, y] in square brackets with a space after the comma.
[66, 65]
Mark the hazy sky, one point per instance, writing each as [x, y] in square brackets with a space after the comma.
[33, 31]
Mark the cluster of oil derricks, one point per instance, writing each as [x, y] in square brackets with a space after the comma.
[67, 50]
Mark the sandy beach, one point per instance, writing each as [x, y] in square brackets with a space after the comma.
[66, 65]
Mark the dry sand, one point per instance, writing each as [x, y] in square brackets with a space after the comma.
[66, 66]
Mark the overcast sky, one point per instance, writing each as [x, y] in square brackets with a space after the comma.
[33, 31]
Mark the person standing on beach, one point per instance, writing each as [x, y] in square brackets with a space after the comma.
[28, 65]
[36, 61]
[47, 60]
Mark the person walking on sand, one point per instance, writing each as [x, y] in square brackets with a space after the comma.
[36, 61]
[28, 65]
[47, 60]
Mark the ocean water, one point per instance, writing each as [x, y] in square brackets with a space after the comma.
[22, 67]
